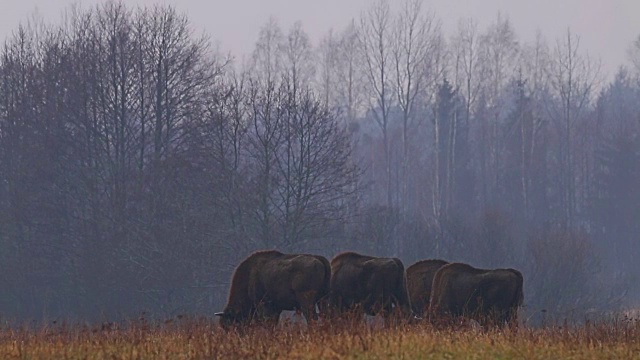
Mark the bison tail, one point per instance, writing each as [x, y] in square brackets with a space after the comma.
[402, 293]
[322, 298]
[437, 287]
[327, 276]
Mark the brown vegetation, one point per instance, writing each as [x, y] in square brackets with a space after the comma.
[200, 339]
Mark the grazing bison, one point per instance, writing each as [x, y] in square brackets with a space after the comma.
[373, 284]
[268, 282]
[489, 296]
[419, 279]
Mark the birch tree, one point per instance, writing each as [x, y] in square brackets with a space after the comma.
[374, 38]
[500, 50]
[327, 78]
[349, 70]
[416, 48]
[465, 67]
[298, 59]
[267, 56]
[533, 79]
[573, 78]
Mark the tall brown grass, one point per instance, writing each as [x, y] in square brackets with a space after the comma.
[204, 339]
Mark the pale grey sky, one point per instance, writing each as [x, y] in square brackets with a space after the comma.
[606, 27]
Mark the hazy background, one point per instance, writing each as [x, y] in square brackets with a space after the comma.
[606, 27]
[139, 164]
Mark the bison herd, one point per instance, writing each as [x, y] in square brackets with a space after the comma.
[269, 282]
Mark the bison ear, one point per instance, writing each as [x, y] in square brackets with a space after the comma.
[219, 314]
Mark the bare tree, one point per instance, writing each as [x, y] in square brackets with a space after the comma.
[304, 168]
[374, 38]
[416, 47]
[533, 76]
[573, 78]
[348, 68]
[36, 244]
[298, 62]
[265, 114]
[267, 56]
[634, 54]
[500, 51]
[224, 130]
[327, 79]
[465, 65]
[316, 172]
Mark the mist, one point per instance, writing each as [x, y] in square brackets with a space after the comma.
[139, 164]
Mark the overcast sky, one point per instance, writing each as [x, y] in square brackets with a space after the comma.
[606, 27]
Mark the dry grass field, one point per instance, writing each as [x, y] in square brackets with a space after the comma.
[203, 339]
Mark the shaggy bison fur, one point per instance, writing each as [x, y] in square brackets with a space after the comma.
[488, 296]
[372, 284]
[269, 282]
[419, 280]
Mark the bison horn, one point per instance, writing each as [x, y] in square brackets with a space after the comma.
[219, 314]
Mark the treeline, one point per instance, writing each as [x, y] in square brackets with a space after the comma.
[138, 164]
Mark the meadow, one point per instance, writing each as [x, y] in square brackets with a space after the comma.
[204, 339]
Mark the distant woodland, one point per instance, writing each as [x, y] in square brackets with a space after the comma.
[139, 163]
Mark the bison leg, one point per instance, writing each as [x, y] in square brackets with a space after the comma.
[510, 319]
[266, 315]
[324, 306]
[307, 302]
[389, 316]
[395, 315]
[272, 318]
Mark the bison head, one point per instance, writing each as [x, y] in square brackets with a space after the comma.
[228, 319]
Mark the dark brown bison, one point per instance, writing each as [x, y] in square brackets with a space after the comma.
[488, 296]
[268, 282]
[419, 279]
[373, 284]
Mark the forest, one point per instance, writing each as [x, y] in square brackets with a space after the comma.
[140, 163]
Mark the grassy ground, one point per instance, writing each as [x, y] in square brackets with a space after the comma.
[186, 339]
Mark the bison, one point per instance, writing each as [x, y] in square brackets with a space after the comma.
[419, 278]
[373, 284]
[488, 296]
[268, 282]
